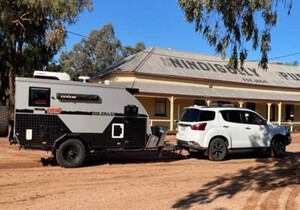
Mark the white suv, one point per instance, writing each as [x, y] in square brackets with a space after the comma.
[215, 131]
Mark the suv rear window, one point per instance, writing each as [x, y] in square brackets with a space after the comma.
[196, 115]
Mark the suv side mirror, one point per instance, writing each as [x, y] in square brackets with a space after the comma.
[263, 122]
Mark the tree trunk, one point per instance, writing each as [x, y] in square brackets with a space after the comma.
[1, 90]
[11, 102]
[11, 80]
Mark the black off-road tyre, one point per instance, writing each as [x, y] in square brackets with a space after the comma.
[278, 148]
[3, 121]
[217, 150]
[71, 153]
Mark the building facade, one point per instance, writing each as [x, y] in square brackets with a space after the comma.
[169, 80]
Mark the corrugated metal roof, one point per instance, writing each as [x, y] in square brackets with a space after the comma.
[165, 62]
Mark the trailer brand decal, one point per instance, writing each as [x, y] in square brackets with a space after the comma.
[104, 113]
[107, 114]
[68, 97]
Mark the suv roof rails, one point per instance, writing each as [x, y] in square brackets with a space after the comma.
[228, 105]
[214, 105]
[221, 105]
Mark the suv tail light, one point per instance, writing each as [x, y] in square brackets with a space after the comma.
[199, 127]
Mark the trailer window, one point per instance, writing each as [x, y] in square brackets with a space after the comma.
[39, 97]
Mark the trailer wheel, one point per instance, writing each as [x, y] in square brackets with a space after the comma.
[71, 153]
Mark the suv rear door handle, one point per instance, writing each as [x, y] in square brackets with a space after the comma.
[225, 126]
[248, 128]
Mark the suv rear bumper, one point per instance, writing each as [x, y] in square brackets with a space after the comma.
[190, 145]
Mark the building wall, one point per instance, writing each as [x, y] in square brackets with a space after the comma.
[262, 109]
[169, 73]
[297, 113]
[149, 104]
[181, 103]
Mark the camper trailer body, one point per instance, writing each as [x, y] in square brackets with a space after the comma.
[49, 113]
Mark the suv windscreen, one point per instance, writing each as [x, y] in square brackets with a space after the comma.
[196, 115]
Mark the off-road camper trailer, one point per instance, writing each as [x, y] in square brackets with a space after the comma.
[72, 119]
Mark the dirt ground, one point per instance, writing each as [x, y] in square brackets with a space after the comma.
[139, 180]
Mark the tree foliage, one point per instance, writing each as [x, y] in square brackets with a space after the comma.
[128, 50]
[230, 23]
[32, 32]
[294, 63]
[101, 49]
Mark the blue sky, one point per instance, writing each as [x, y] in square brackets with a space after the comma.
[161, 23]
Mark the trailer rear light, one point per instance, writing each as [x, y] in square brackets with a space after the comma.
[199, 127]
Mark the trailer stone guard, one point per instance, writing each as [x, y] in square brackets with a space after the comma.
[73, 119]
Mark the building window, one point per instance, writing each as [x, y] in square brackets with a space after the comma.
[160, 106]
[251, 106]
[39, 97]
[289, 112]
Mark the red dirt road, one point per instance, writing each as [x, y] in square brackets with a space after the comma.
[142, 181]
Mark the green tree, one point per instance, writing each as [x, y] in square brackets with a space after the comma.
[128, 50]
[232, 23]
[101, 49]
[33, 31]
[97, 51]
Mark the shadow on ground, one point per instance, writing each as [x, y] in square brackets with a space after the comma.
[271, 174]
[123, 157]
[133, 157]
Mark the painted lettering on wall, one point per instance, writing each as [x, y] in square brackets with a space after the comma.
[205, 66]
[261, 81]
[289, 76]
